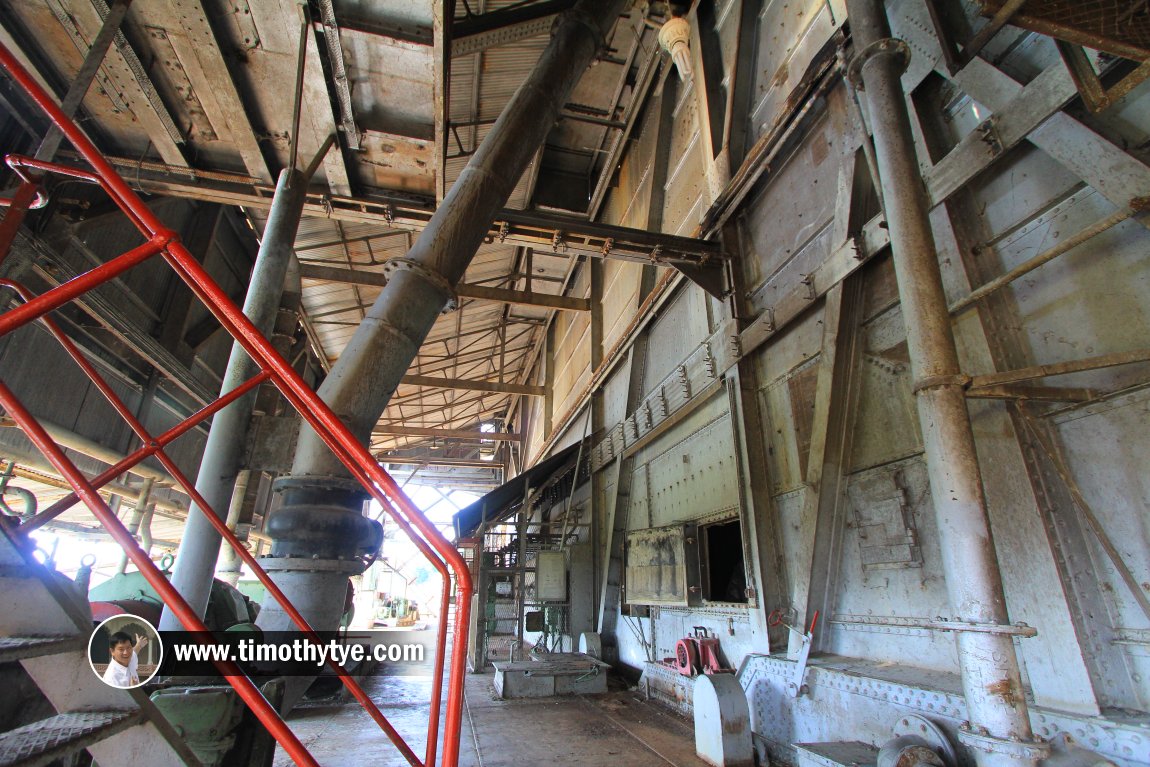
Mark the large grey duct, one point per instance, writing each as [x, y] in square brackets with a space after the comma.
[223, 453]
[321, 513]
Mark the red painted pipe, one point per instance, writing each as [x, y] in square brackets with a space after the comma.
[58, 296]
[242, 685]
[153, 447]
[319, 416]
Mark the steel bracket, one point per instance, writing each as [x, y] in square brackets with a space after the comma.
[1032, 750]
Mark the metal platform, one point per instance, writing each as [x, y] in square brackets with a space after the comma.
[548, 674]
[835, 754]
[42, 742]
[15, 648]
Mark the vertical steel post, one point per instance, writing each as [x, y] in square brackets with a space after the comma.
[320, 515]
[229, 563]
[999, 730]
[223, 454]
[142, 502]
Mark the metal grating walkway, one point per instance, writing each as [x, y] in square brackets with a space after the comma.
[42, 742]
[17, 647]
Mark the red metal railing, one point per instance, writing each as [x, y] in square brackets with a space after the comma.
[359, 462]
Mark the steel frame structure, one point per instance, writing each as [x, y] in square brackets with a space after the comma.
[272, 367]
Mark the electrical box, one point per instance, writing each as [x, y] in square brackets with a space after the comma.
[551, 576]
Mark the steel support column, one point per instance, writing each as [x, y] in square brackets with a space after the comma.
[223, 453]
[320, 516]
[142, 504]
[999, 729]
[229, 564]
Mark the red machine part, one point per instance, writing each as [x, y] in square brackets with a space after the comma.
[709, 655]
[149, 611]
[687, 657]
[697, 653]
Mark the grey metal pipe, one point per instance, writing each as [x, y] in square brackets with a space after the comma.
[999, 724]
[223, 453]
[93, 449]
[362, 382]
[31, 459]
[228, 567]
[142, 503]
[146, 529]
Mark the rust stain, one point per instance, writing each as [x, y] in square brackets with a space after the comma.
[1003, 690]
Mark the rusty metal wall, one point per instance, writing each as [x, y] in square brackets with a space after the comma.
[867, 553]
[887, 576]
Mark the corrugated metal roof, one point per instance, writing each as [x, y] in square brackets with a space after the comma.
[463, 344]
[392, 88]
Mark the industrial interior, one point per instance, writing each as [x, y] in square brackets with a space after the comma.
[725, 382]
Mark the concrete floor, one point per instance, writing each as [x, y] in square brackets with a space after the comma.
[618, 728]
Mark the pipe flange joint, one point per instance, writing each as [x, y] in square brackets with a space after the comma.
[981, 740]
[938, 382]
[393, 265]
[341, 486]
[888, 46]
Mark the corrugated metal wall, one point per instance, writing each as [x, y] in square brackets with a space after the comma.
[39, 371]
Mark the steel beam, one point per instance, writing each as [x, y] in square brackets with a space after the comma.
[405, 32]
[421, 431]
[125, 67]
[463, 463]
[208, 73]
[339, 77]
[83, 79]
[506, 25]
[323, 117]
[442, 16]
[648, 73]
[1059, 368]
[1029, 112]
[463, 290]
[472, 385]
[545, 232]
